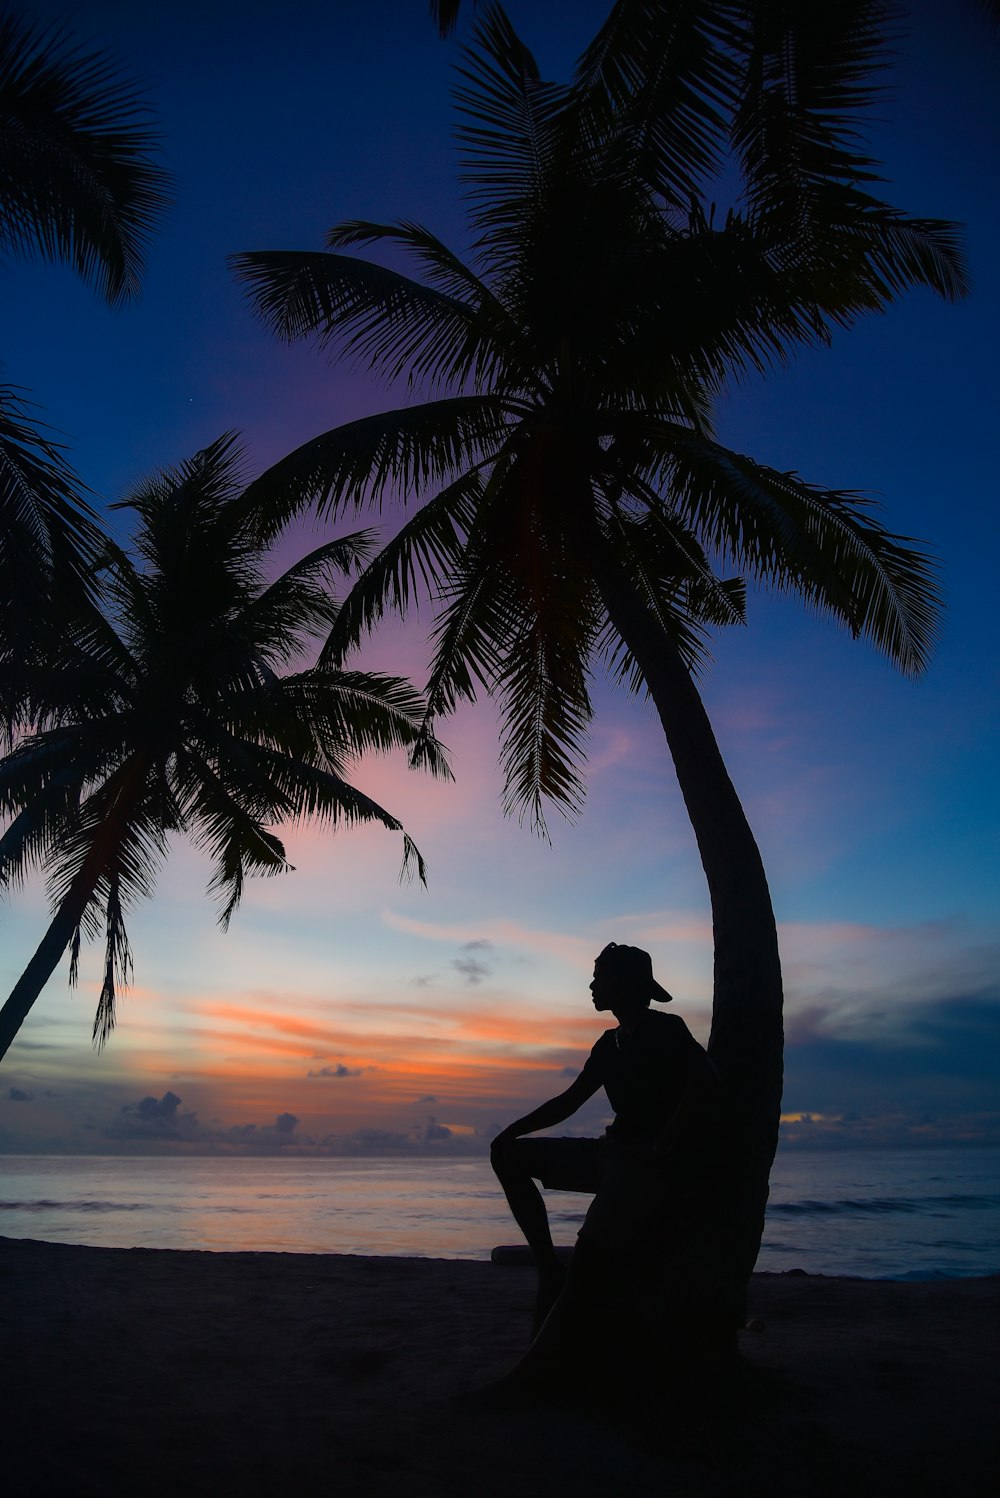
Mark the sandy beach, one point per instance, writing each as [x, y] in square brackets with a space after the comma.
[151, 1371]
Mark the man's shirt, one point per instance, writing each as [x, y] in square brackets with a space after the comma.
[645, 1073]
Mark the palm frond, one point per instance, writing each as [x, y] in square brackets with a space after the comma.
[238, 840]
[861, 255]
[110, 838]
[477, 616]
[989, 8]
[407, 450]
[74, 753]
[77, 174]
[509, 127]
[79, 672]
[663, 547]
[441, 266]
[299, 604]
[36, 830]
[444, 14]
[50, 537]
[350, 714]
[221, 812]
[199, 495]
[662, 78]
[807, 82]
[390, 323]
[675, 584]
[823, 544]
[117, 965]
[546, 712]
[417, 560]
[734, 306]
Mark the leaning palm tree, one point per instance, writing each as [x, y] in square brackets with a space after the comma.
[575, 505]
[79, 183]
[170, 710]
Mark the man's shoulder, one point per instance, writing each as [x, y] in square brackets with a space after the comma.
[603, 1048]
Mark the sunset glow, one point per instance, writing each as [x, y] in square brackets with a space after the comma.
[347, 1012]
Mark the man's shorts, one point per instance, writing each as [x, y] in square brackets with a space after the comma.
[629, 1191]
[564, 1164]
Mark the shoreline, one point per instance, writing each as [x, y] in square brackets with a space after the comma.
[516, 1260]
[265, 1373]
[515, 1257]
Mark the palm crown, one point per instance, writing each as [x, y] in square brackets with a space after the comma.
[567, 449]
[173, 710]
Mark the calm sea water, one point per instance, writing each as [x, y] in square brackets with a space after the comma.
[880, 1214]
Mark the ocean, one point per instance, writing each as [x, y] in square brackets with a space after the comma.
[879, 1214]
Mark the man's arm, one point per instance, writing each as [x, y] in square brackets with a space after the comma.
[564, 1105]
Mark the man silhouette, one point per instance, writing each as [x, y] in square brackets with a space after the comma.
[650, 1171]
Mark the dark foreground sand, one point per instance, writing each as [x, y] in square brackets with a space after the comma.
[147, 1373]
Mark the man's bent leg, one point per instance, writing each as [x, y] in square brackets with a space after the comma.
[559, 1163]
[516, 1168]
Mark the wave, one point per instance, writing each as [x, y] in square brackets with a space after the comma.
[46, 1205]
[884, 1205]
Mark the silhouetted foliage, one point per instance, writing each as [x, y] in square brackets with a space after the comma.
[77, 177]
[79, 184]
[170, 708]
[575, 505]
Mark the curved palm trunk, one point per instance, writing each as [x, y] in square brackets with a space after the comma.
[41, 967]
[747, 1040]
[72, 906]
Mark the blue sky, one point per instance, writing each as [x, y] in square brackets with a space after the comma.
[363, 1008]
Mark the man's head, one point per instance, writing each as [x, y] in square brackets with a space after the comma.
[624, 976]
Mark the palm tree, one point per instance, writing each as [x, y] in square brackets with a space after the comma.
[166, 711]
[576, 505]
[78, 184]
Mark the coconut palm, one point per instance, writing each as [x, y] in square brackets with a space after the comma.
[576, 507]
[167, 712]
[78, 184]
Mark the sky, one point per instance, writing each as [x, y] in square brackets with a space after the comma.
[345, 1012]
